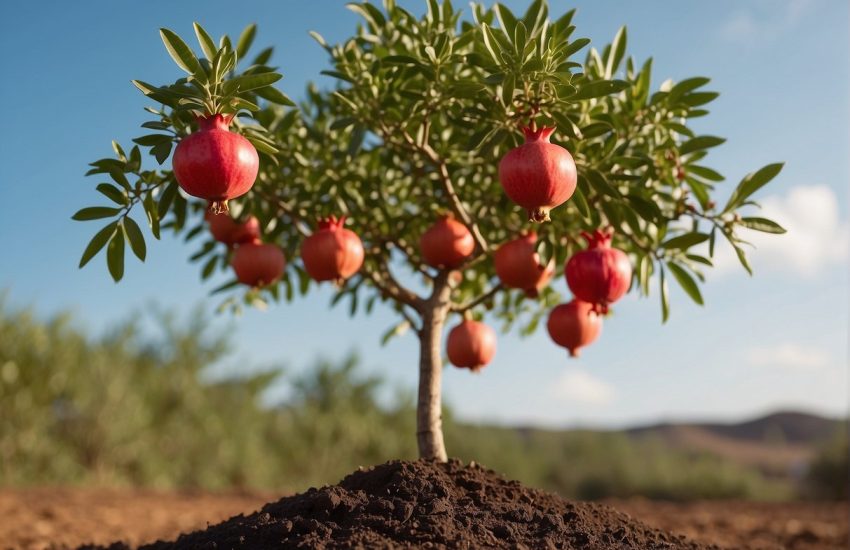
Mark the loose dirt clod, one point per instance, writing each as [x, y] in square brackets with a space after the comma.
[428, 505]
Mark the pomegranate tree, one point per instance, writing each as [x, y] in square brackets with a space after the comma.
[427, 120]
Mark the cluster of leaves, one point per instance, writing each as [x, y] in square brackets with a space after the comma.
[213, 86]
[424, 109]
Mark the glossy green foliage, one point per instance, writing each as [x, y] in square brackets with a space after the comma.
[424, 109]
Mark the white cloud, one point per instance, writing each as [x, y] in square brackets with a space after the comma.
[788, 356]
[764, 20]
[580, 387]
[817, 237]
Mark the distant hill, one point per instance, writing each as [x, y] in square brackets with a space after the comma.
[779, 444]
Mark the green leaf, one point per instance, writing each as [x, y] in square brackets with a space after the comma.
[507, 20]
[275, 96]
[699, 143]
[134, 235]
[600, 184]
[685, 241]
[685, 86]
[180, 52]
[686, 282]
[665, 297]
[491, 44]
[119, 152]
[319, 38]
[762, 224]
[575, 46]
[697, 99]
[704, 172]
[161, 150]
[616, 53]
[95, 213]
[370, 13]
[226, 286]
[742, 257]
[250, 82]
[115, 255]
[245, 40]
[166, 199]
[153, 216]
[98, 241]
[152, 139]
[400, 60]
[699, 259]
[508, 90]
[752, 183]
[209, 267]
[113, 193]
[119, 177]
[397, 330]
[600, 88]
[206, 41]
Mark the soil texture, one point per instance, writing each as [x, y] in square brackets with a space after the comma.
[425, 504]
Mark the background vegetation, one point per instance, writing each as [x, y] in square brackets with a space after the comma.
[135, 408]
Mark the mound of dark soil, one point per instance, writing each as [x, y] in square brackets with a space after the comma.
[428, 505]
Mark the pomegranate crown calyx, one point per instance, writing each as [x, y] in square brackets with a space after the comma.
[215, 121]
[331, 222]
[541, 134]
[598, 239]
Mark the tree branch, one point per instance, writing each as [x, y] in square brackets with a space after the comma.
[446, 180]
[386, 283]
[462, 308]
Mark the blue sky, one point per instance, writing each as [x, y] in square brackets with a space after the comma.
[776, 340]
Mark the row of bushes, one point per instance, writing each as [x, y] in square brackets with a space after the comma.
[140, 409]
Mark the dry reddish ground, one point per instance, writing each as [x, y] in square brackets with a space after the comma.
[59, 518]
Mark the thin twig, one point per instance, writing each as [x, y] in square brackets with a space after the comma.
[462, 308]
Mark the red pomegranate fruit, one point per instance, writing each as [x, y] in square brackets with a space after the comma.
[471, 345]
[226, 230]
[214, 163]
[543, 281]
[574, 325]
[257, 264]
[538, 175]
[600, 275]
[518, 265]
[332, 253]
[446, 244]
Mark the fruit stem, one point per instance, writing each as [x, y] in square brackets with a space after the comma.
[219, 207]
[538, 215]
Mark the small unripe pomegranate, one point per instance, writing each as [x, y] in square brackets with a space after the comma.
[257, 264]
[574, 325]
[538, 175]
[471, 345]
[332, 253]
[214, 163]
[446, 244]
[600, 275]
[518, 265]
[226, 230]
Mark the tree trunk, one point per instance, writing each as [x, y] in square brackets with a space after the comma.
[429, 412]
